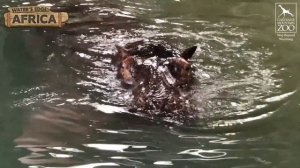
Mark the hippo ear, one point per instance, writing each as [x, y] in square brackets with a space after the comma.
[188, 53]
[125, 70]
[122, 52]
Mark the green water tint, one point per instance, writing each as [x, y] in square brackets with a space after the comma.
[61, 104]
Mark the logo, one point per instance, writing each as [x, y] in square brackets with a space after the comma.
[34, 16]
[286, 20]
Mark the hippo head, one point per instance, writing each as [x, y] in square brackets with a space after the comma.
[157, 75]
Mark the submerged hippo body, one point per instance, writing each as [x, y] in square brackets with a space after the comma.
[159, 75]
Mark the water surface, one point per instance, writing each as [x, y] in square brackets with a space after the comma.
[62, 106]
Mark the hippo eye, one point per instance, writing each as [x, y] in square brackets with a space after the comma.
[176, 69]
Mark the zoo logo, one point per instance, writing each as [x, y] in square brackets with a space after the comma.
[285, 17]
[34, 16]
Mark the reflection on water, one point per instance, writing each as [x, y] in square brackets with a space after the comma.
[76, 113]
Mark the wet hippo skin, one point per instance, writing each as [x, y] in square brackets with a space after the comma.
[158, 76]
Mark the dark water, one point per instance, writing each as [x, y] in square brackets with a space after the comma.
[62, 106]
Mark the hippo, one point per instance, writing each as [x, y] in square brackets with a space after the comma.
[159, 77]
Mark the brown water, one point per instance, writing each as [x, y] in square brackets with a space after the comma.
[62, 106]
